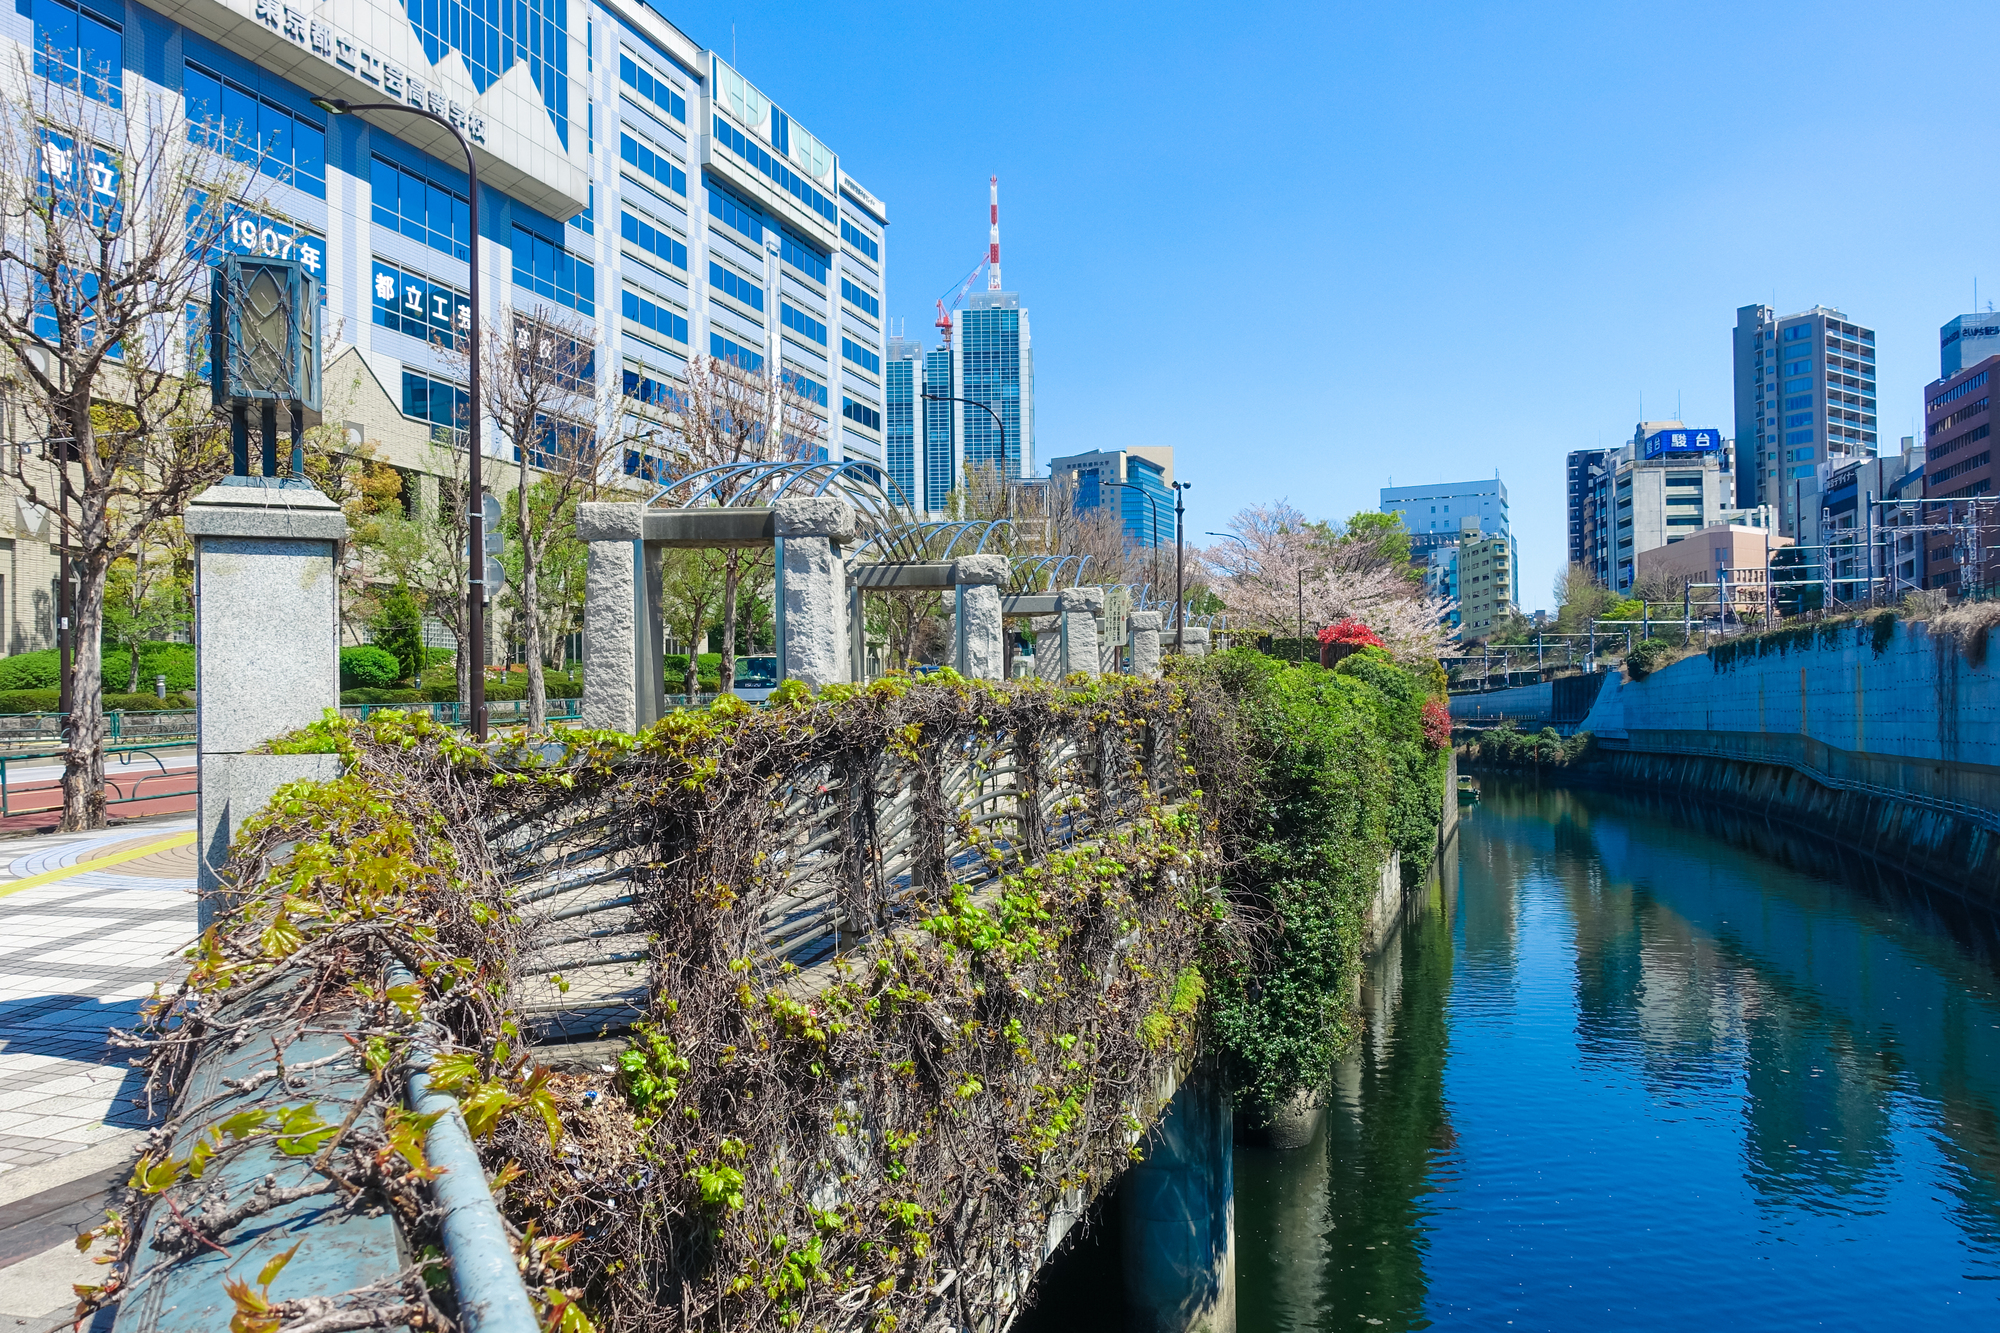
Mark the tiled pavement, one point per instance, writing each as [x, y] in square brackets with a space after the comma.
[78, 956]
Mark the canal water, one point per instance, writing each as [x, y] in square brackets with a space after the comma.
[1635, 1064]
[1639, 1065]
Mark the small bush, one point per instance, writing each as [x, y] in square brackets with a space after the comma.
[29, 671]
[1649, 657]
[368, 668]
[1509, 747]
[366, 696]
[49, 700]
[39, 671]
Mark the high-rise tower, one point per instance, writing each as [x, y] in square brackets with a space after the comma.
[1805, 399]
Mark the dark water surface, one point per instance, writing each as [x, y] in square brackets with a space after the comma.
[1636, 1068]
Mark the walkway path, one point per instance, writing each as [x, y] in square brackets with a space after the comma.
[88, 924]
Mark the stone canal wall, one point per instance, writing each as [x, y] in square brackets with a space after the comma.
[1888, 742]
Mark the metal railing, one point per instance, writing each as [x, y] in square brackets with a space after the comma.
[121, 724]
[451, 712]
[140, 781]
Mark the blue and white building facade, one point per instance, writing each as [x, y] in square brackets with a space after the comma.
[627, 177]
[1137, 482]
[935, 436]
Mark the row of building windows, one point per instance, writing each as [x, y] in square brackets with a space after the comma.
[422, 307]
[860, 240]
[235, 121]
[1959, 469]
[806, 385]
[1972, 436]
[1953, 395]
[651, 87]
[1980, 487]
[419, 208]
[802, 257]
[799, 321]
[544, 267]
[651, 162]
[435, 401]
[662, 245]
[722, 349]
[860, 355]
[861, 414]
[649, 315]
[1965, 413]
[860, 299]
[79, 49]
[780, 174]
[736, 285]
[726, 207]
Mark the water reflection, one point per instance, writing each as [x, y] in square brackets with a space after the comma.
[1649, 1066]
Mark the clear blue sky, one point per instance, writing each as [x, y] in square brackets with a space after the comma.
[1313, 247]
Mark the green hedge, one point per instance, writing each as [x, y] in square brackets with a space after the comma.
[707, 666]
[1333, 773]
[366, 667]
[49, 701]
[36, 671]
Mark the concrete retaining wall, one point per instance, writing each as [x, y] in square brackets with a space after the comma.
[1529, 707]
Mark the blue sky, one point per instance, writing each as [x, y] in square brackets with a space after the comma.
[1315, 247]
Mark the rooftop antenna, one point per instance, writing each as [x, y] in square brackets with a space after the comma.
[993, 234]
[732, 41]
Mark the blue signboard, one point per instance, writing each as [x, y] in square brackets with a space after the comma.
[1685, 440]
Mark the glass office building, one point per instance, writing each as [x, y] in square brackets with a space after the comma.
[630, 180]
[1805, 404]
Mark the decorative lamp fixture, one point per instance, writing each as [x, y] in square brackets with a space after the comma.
[264, 322]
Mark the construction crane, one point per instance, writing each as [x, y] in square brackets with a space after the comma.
[990, 261]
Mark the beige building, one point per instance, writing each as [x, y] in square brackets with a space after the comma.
[1485, 585]
[1736, 554]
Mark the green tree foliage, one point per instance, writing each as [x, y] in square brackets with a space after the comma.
[369, 667]
[398, 628]
[1336, 775]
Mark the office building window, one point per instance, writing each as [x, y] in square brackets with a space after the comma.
[649, 161]
[420, 208]
[800, 322]
[859, 298]
[731, 283]
[662, 245]
[80, 49]
[422, 307]
[735, 213]
[652, 315]
[805, 258]
[807, 386]
[780, 174]
[436, 401]
[544, 267]
[642, 385]
[494, 35]
[255, 127]
[860, 240]
[860, 355]
[651, 87]
[861, 414]
[722, 349]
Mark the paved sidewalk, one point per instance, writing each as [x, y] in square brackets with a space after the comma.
[79, 952]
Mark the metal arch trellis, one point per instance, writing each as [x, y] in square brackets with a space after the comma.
[741, 485]
[1046, 573]
[912, 543]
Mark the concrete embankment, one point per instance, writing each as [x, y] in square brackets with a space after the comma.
[1887, 742]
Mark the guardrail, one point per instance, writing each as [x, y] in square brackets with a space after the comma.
[142, 785]
[122, 724]
[451, 712]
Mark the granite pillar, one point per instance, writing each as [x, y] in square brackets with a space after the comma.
[1079, 608]
[623, 683]
[267, 649]
[813, 643]
[1145, 631]
[980, 649]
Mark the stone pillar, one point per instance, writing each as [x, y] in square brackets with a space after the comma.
[812, 589]
[1078, 608]
[623, 685]
[1048, 647]
[267, 649]
[1145, 628]
[1179, 1211]
[976, 627]
[1194, 642]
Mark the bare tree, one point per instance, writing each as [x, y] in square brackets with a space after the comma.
[542, 389]
[110, 215]
[727, 414]
[425, 550]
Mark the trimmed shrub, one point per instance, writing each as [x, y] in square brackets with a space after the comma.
[1649, 657]
[368, 668]
[39, 671]
[29, 671]
[365, 696]
[49, 700]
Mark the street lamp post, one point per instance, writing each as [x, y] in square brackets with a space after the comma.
[475, 556]
[1180, 613]
[984, 407]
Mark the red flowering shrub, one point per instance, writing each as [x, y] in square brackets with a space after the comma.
[1350, 631]
[1437, 724]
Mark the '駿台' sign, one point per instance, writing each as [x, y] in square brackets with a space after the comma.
[1683, 441]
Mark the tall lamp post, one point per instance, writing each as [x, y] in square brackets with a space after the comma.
[984, 407]
[1180, 614]
[475, 556]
